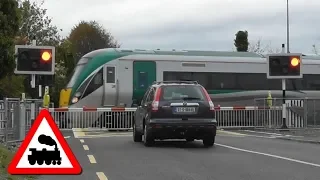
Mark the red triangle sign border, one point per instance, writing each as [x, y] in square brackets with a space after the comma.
[76, 167]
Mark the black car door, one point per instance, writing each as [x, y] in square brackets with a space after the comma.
[146, 106]
[139, 112]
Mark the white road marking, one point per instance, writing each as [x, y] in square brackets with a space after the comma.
[269, 155]
[230, 132]
[66, 137]
[261, 132]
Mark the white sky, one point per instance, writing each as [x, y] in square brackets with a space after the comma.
[194, 24]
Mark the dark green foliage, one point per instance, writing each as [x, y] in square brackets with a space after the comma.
[9, 23]
[36, 23]
[89, 36]
[241, 42]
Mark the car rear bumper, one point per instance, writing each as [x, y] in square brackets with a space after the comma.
[181, 129]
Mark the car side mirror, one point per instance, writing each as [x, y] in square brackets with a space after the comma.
[135, 103]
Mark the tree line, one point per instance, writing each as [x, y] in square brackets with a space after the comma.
[23, 20]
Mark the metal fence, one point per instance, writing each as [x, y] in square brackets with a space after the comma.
[300, 112]
[122, 118]
[17, 115]
[13, 112]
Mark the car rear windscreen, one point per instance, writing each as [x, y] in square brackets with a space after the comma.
[182, 92]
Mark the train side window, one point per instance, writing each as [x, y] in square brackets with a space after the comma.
[111, 76]
[223, 81]
[143, 79]
[95, 83]
[201, 77]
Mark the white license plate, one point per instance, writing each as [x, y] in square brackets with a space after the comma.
[185, 109]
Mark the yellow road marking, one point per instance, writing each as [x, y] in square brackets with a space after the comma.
[81, 140]
[92, 159]
[231, 133]
[78, 132]
[85, 147]
[101, 176]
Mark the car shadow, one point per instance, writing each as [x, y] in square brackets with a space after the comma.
[179, 144]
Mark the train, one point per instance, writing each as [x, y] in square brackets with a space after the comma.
[116, 77]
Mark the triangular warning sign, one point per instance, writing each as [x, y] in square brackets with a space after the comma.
[44, 151]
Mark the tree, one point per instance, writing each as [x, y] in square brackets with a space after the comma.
[241, 42]
[9, 23]
[64, 68]
[315, 49]
[261, 48]
[89, 36]
[36, 24]
[11, 86]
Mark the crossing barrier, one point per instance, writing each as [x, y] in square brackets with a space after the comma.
[16, 116]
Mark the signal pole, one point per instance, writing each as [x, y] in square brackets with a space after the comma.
[33, 76]
[288, 27]
[284, 108]
[33, 86]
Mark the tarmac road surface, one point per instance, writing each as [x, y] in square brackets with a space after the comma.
[234, 156]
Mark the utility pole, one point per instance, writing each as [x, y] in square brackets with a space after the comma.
[288, 41]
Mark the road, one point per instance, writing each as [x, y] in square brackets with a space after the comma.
[235, 156]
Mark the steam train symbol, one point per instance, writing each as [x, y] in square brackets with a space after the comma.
[45, 156]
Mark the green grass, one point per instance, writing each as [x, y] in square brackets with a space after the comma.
[5, 159]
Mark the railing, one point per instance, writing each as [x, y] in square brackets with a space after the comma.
[301, 113]
[11, 116]
[122, 118]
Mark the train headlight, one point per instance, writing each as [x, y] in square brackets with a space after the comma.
[75, 100]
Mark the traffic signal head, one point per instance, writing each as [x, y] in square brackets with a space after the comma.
[295, 61]
[46, 55]
[35, 60]
[283, 66]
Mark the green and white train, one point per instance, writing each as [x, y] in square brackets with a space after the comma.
[118, 77]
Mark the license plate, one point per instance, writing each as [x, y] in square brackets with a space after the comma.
[185, 109]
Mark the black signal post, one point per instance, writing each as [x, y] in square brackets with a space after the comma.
[284, 66]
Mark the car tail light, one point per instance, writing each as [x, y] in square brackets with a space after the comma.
[155, 103]
[208, 99]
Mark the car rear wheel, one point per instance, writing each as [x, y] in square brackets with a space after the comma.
[208, 141]
[147, 139]
[137, 137]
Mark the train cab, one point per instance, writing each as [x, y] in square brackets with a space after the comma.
[91, 81]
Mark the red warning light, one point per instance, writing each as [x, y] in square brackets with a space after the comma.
[46, 56]
[295, 62]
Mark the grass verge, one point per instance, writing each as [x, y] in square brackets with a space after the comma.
[5, 158]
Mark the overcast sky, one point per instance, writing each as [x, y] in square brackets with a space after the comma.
[194, 24]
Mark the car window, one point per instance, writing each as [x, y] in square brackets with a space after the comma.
[145, 96]
[151, 95]
[182, 92]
